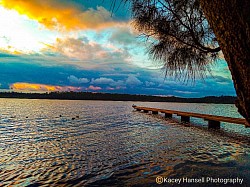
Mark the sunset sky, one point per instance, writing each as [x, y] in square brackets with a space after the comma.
[76, 45]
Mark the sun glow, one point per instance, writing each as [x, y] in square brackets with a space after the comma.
[20, 34]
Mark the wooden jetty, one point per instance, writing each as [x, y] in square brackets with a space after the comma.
[213, 121]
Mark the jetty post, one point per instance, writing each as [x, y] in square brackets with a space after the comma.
[168, 115]
[212, 124]
[185, 118]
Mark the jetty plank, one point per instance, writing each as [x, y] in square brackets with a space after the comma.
[213, 120]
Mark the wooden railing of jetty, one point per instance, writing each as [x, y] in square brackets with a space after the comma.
[213, 121]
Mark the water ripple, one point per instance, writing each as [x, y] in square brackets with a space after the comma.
[107, 144]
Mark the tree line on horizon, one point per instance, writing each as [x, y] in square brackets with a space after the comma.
[116, 97]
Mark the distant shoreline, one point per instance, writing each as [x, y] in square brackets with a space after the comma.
[117, 97]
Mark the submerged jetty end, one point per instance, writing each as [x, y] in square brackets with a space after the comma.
[213, 121]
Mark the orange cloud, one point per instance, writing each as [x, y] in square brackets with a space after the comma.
[76, 48]
[94, 88]
[82, 52]
[57, 15]
[22, 86]
[110, 88]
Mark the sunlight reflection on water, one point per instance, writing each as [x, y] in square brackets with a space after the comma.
[110, 144]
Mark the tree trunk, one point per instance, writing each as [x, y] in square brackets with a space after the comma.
[230, 21]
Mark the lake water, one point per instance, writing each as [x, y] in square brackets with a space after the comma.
[112, 145]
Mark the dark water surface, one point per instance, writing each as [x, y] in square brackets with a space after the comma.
[112, 145]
